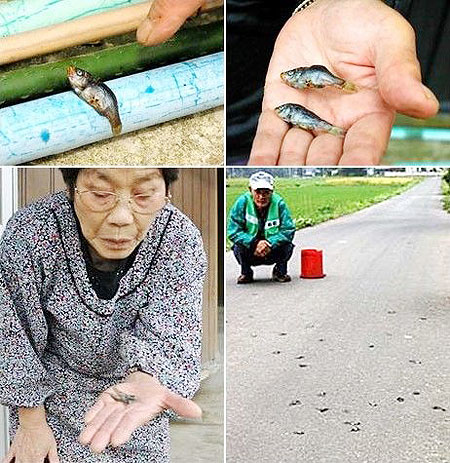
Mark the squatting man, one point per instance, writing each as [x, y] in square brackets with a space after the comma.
[261, 229]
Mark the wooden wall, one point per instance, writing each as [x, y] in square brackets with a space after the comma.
[197, 194]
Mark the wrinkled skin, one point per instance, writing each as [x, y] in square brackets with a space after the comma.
[33, 443]
[109, 422]
[164, 19]
[363, 41]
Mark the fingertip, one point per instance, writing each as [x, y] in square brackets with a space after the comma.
[117, 442]
[422, 104]
[99, 443]
[262, 159]
[295, 147]
[143, 32]
[196, 411]
[400, 83]
[95, 409]
[324, 150]
[83, 440]
[366, 140]
[407, 95]
[86, 436]
[53, 455]
[433, 102]
[96, 449]
[89, 417]
[120, 436]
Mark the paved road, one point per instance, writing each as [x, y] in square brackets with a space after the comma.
[354, 367]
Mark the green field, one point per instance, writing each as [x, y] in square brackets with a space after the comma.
[446, 193]
[316, 200]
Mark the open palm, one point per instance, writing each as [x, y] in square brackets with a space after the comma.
[111, 422]
[363, 41]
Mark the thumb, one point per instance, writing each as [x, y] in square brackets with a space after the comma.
[398, 71]
[183, 407]
[164, 19]
[53, 455]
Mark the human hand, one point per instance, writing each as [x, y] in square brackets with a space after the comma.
[363, 41]
[33, 444]
[262, 248]
[109, 422]
[164, 19]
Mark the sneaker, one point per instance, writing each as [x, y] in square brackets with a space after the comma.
[279, 278]
[243, 279]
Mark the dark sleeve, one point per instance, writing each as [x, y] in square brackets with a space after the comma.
[166, 339]
[402, 6]
[23, 378]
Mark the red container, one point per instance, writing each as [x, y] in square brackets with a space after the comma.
[312, 264]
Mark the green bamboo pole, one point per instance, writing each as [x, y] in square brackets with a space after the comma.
[33, 81]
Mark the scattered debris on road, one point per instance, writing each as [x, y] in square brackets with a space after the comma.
[355, 426]
[294, 403]
[416, 362]
[436, 407]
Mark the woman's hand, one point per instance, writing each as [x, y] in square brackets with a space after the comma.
[164, 19]
[34, 440]
[110, 422]
[363, 41]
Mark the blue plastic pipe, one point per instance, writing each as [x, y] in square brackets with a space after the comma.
[441, 134]
[61, 122]
[23, 15]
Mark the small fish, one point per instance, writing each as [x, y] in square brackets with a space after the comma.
[316, 76]
[120, 396]
[299, 116]
[96, 94]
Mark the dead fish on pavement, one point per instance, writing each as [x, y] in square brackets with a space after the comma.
[96, 94]
[299, 116]
[315, 76]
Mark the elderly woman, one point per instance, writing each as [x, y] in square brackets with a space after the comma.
[100, 316]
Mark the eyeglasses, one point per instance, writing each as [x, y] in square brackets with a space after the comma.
[263, 192]
[105, 201]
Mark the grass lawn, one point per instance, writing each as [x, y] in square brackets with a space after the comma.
[316, 200]
[446, 193]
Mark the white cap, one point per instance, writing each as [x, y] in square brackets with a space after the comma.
[261, 179]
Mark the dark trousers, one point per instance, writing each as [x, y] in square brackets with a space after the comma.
[278, 256]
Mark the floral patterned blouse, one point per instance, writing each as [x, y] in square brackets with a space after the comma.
[61, 345]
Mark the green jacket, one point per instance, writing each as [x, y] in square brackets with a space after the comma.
[241, 227]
